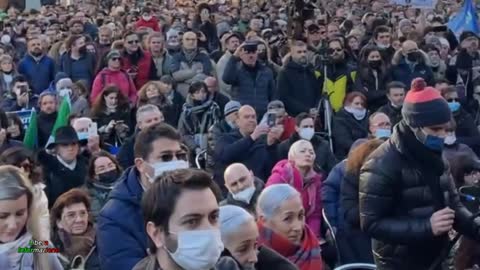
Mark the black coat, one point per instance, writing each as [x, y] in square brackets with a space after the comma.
[324, 158]
[255, 155]
[259, 185]
[395, 114]
[373, 87]
[268, 259]
[104, 118]
[401, 185]
[58, 178]
[221, 101]
[467, 132]
[346, 130]
[298, 88]
[172, 115]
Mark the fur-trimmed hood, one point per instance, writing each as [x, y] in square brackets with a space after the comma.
[398, 58]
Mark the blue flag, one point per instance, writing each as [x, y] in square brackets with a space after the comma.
[465, 20]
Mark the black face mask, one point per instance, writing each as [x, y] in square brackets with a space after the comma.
[375, 64]
[108, 177]
[413, 56]
[83, 50]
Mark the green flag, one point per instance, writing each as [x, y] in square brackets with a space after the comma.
[62, 117]
[31, 135]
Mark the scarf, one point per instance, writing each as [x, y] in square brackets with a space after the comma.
[190, 54]
[429, 162]
[307, 255]
[11, 249]
[205, 115]
[74, 245]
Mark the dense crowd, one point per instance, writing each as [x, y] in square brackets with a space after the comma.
[239, 135]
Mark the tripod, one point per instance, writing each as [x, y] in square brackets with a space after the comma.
[324, 104]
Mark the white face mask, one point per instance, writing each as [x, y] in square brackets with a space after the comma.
[306, 133]
[198, 250]
[65, 92]
[161, 167]
[359, 114]
[450, 139]
[245, 195]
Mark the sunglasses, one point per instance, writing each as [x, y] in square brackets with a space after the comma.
[453, 100]
[115, 59]
[132, 41]
[336, 50]
[170, 156]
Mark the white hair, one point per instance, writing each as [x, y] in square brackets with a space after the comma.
[444, 42]
[231, 218]
[273, 197]
[296, 147]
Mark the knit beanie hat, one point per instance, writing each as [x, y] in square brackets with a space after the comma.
[424, 106]
[404, 22]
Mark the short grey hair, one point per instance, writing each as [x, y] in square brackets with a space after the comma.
[273, 197]
[231, 218]
[146, 108]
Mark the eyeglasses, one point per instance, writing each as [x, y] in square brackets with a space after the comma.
[336, 50]
[169, 156]
[132, 41]
[115, 59]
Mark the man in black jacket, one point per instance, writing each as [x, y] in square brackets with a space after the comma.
[304, 130]
[147, 116]
[297, 85]
[253, 145]
[243, 187]
[408, 202]
[395, 95]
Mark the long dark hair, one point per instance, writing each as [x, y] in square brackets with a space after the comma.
[99, 104]
[364, 66]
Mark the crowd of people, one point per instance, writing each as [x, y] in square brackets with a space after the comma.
[238, 135]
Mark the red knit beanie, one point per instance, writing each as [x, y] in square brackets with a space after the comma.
[424, 106]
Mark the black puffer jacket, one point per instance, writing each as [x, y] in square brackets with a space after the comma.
[395, 114]
[401, 186]
[346, 130]
[467, 132]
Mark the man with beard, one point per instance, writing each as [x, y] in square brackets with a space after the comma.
[395, 95]
[160, 55]
[136, 62]
[46, 117]
[232, 41]
[37, 67]
[190, 64]
[340, 77]
[298, 95]
[77, 63]
[173, 41]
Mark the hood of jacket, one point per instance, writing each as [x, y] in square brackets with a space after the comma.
[398, 58]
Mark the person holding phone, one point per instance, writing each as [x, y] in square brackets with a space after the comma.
[252, 82]
[21, 97]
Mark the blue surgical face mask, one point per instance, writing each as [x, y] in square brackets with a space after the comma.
[359, 114]
[244, 195]
[382, 133]
[82, 135]
[432, 142]
[454, 106]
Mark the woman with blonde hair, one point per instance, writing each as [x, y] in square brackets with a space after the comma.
[19, 224]
[298, 172]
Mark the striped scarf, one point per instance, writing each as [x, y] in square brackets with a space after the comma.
[306, 256]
